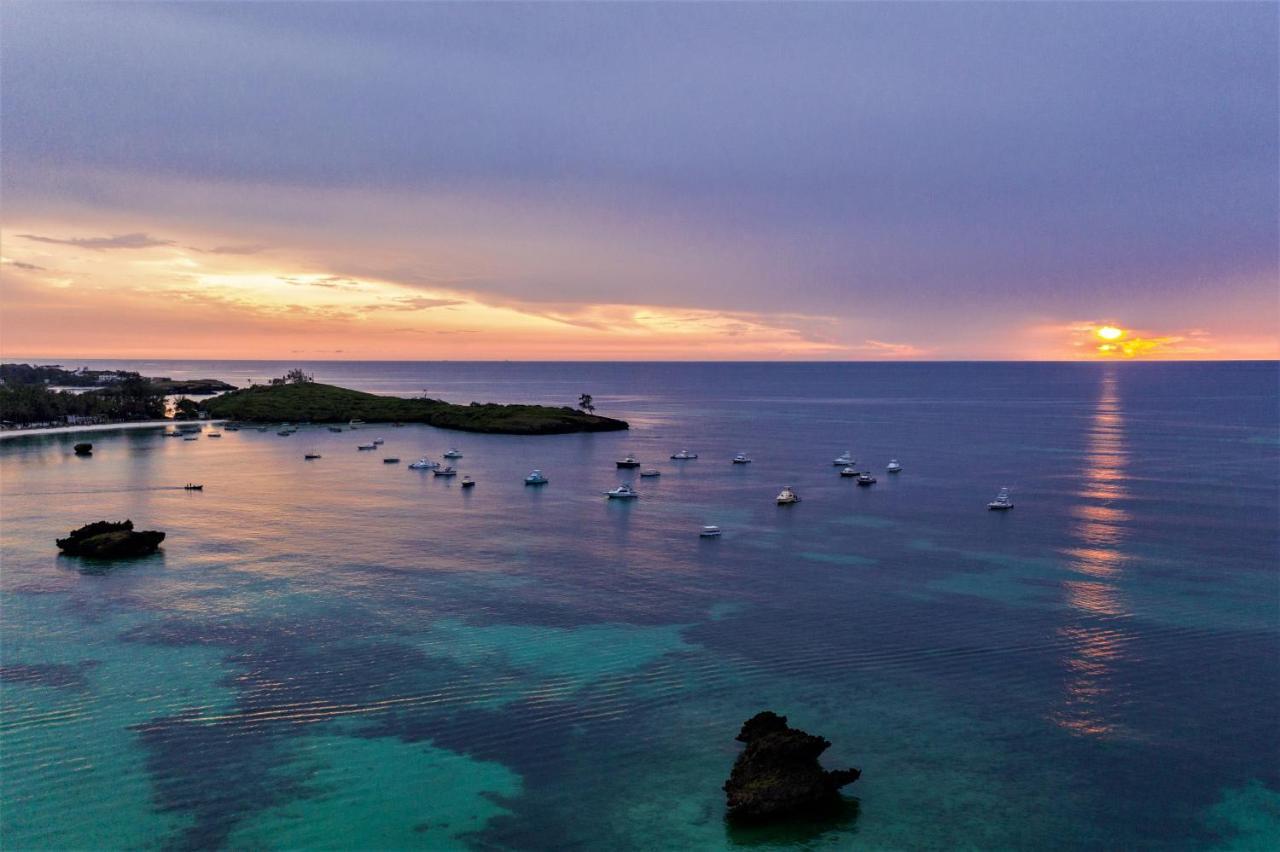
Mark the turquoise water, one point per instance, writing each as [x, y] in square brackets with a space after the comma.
[346, 654]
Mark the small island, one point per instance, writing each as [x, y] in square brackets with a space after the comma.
[309, 401]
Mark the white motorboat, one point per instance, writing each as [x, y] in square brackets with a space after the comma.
[445, 471]
[468, 482]
[535, 478]
[849, 471]
[710, 531]
[452, 453]
[741, 458]
[787, 496]
[844, 460]
[894, 466]
[423, 464]
[622, 492]
[367, 447]
[866, 479]
[629, 461]
[684, 455]
[651, 471]
[1002, 502]
[378, 442]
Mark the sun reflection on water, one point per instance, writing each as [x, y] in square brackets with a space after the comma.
[1095, 638]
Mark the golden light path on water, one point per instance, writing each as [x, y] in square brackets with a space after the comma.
[1096, 639]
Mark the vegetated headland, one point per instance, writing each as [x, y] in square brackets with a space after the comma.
[303, 401]
[54, 396]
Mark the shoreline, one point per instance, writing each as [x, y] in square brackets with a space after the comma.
[8, 434]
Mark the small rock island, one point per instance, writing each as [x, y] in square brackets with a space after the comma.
[778, 775]
[321, 403]
[110, 540]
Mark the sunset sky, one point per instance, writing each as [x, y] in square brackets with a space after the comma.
[602, 181]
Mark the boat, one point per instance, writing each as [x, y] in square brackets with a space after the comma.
[367, 447]
[849, 471]
[844, 460]
[191, 438]
[173, 434]
[741, 458]
[1003, 501]
[467, 482]
[310, 456]
[445, 471]
[335, 428]
[83, 449]
[787, 496]
[215, 434]
[894, 466]
[684, 455]
[285, 432]
[423, 464]
[651, 471]
[355, 424]
[192, 486]
[391, 460]
[452, 453]
[623, 492]
[230, 428]
[378, 442]
[262, 428]
[535, 478]
[710, 531]
[866, 479]
[629, 461]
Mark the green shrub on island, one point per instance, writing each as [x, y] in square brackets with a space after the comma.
[320, 403]
[132, 399]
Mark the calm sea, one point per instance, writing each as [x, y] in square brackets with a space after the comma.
[343, 653]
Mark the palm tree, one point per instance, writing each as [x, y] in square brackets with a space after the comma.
[584, 402]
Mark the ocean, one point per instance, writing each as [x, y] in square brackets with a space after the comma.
[341, 653]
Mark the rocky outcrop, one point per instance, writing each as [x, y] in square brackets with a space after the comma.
[778, 774]
[110, 540]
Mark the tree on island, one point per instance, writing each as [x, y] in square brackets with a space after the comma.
[186, 409]
[294, 377]
[585, 403]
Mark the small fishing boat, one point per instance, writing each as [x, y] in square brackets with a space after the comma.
[1003, 501]
[378, 442]
[192, 486]
[710, 531]
[83, 449]
[866, 479]
[651, 471]
[215, 434]
[423, 464]
[741, 458]
[191, 438]
[894, 466]
[629, 461]
[173, 434]
[788, 496]
[536, 478]
[335, 428]
[467, 482]
[452, 453]
[391, 460]
[844, 460]
[849, 471]
[684, 455]
[310, 456]
[367, 447]
[445, 471]
[622, 492]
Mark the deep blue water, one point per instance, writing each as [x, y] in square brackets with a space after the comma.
[342, 653]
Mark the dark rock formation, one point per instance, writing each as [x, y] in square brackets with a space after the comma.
[778, 774]
[84, 449]
[110, 540]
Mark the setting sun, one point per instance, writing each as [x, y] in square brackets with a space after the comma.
[1110, 332]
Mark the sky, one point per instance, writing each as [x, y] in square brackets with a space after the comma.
[836, 181]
